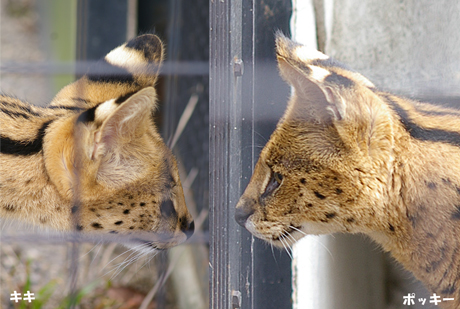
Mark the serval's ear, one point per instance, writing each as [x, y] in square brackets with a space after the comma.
[101, 142]
[321, 83]
[120, 123]
[123, 71]
[326, 92]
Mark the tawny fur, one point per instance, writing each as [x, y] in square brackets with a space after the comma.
[347, 157]
[93, 160]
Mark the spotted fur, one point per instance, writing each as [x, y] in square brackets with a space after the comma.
[93, 161]
[347, 157]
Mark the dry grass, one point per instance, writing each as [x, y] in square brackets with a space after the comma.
[109, 275]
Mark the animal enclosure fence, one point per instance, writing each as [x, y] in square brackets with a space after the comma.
[45, 45]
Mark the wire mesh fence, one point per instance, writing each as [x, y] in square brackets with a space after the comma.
[70, 270]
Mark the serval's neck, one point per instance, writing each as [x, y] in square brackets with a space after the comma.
[25, 188]
[425, 195]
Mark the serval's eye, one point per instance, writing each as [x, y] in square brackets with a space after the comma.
[278, 178]
[273, 183]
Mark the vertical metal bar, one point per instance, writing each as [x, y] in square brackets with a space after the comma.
[226, 69]
[217, 163]
[219, 97]
[247, 149]
[238, 279]
[242, 274]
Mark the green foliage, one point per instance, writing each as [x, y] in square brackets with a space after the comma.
[43, 296]
[75, 299]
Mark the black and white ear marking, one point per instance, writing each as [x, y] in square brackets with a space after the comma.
[145, 48]
[123, 71]
[135, 54]
[311, 61]
[307, 54]
[134, 64]
[124, 57]
[149, 45]
[327, 92]
[318, 80]
[310, 85]
[336, 104]
[122, 122]
[104, 110]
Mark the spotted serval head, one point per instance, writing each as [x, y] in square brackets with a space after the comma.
[326, 164]
[108, 158]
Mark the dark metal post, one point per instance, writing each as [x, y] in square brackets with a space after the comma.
[243, 271]
[224, 262]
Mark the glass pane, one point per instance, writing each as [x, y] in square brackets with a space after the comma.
[44, 45]
[247, 97]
